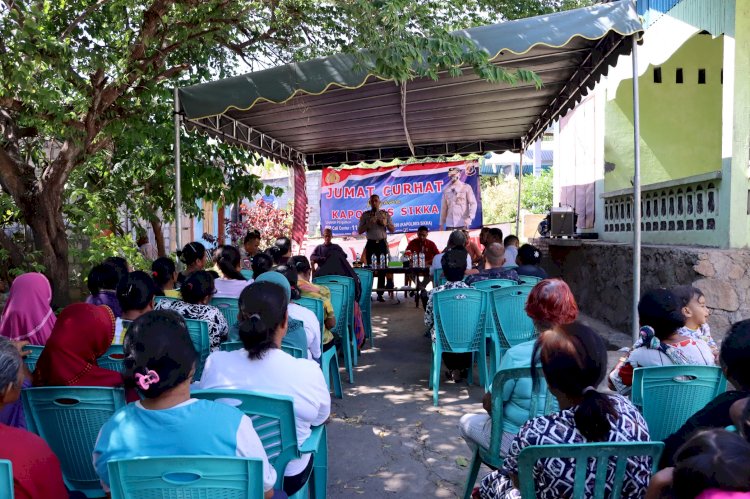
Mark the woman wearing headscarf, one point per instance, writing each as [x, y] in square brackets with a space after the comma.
[28, 315]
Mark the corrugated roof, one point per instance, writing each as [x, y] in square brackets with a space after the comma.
[326, 112]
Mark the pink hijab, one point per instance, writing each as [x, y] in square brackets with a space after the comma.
[27, 315]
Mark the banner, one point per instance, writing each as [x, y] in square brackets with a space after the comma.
[412, 194]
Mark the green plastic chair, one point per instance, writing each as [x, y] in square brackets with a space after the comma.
[198, 331]
[342, 299]
[69, 418]
[33, 357]
[493, 284]
[186, 477]
[273, 420]
[295, 352]
[157, 299]
[605, 456]
[459, 316]
[508, 323]
[231, 346]
[329, 361]
[229, 308]
[247, 273]
[6, 479]
[669, 395]
[542, 403]
[113, 359]
[367, 279]
[438, 279]
[529, 279]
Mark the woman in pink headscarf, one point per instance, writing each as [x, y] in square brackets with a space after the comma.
[27, 315]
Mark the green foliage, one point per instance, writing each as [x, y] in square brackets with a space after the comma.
[536, 192]
[500, 196]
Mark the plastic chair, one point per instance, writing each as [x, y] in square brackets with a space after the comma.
[157, 299]
[529, 279]
[186, 477]
[542, 403]
[366, 278]
[493, 284]
[247, 273]
[33, 357]
[273, 420]
[438, 279]
[198, 331]
[342, 299]
[231, 346]
[459, 316]
[6, 479]
[113, 359]
[69, 418]
[669, 395]
[605, 456]
[229, 308]
[329, 361]
[295, 352]
[508, 323]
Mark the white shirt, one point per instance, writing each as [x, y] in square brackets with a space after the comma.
[277, 373]
[230, 288]
[312, 328]
[511, 252]
[437, 262]
[458, 206]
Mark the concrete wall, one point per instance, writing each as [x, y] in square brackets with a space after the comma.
[600, 275]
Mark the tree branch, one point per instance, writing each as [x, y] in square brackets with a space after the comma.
[16, 255]
[90, 9]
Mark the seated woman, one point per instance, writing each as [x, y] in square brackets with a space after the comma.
[160, 362]
[36, 469]
[164, 272]
[263, 367]
[661, 343]
[194, 256]
[310, 290]
[528, 262]
[231, 282]
[574, 362]
[262, 263]
[197, 292]
[550, 304]
[102, 282]
[136, 296]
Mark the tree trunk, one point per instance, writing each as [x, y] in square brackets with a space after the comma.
[158, 235]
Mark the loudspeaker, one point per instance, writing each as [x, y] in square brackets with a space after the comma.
[562, 223]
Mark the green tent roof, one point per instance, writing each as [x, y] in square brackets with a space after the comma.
[329, 111]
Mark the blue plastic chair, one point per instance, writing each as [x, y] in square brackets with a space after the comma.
[493, 284]
[247, 273]
[438, 279]
[367, 279]
[113, 359]
[295, 352]
[231, 346]
[342, 299]
[198, 331]
[229, 308]
[459, 316]
[69, 418]
[508, 324]
[157, 299]
[669, 395]
[605, 456]
[542, 403]
[273, 420]
[329, 361]
[33, 357]
[6, 479]
[529, 279]
[186, 477]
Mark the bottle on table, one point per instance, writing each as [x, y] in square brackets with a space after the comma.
[374, 261]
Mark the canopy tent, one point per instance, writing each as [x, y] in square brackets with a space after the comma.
[334, 110]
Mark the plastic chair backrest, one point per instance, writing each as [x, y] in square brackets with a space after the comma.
[438, 279]
[367, 279]
[347, 282]
[247, 273]
[273, 420]
[295, 352]
[157, 299]
[316, 306]
[459, 318]
[596, 456]
[492, 284]
[113, 359]
[198, 331]
[69, 418]
[342, 305]
[229, 308]
[186, 477]
[231, 346]
[529, 279]
[509, 315]
[6, 479]
[33, 357]
[669, 395]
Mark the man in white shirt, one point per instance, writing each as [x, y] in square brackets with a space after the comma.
[459, 204]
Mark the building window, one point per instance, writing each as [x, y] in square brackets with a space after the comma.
[678, 76]
[657, 75]
[701, 77]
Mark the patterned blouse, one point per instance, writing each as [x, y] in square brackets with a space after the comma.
[218, 329]
[554, 477]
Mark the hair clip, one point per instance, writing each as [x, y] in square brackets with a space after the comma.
[189, 285]
[254, 316]
[145, 380]
[130, 288]
[191, 246]
[155, 273]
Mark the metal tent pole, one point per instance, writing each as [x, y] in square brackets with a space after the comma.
[518, 207]
[177, 180]
[636, 192]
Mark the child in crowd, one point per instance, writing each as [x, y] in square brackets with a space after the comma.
[164, 272]
[734, 359]
[696, 316]
[194, 256]
[660, 318]
[160, 362]
[232, 282]
[528, 262]
[136, 296]
[713, 464]
[511, 244]
[102, 283]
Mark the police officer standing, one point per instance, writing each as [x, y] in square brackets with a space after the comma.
[375, 222]
[459, 204]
